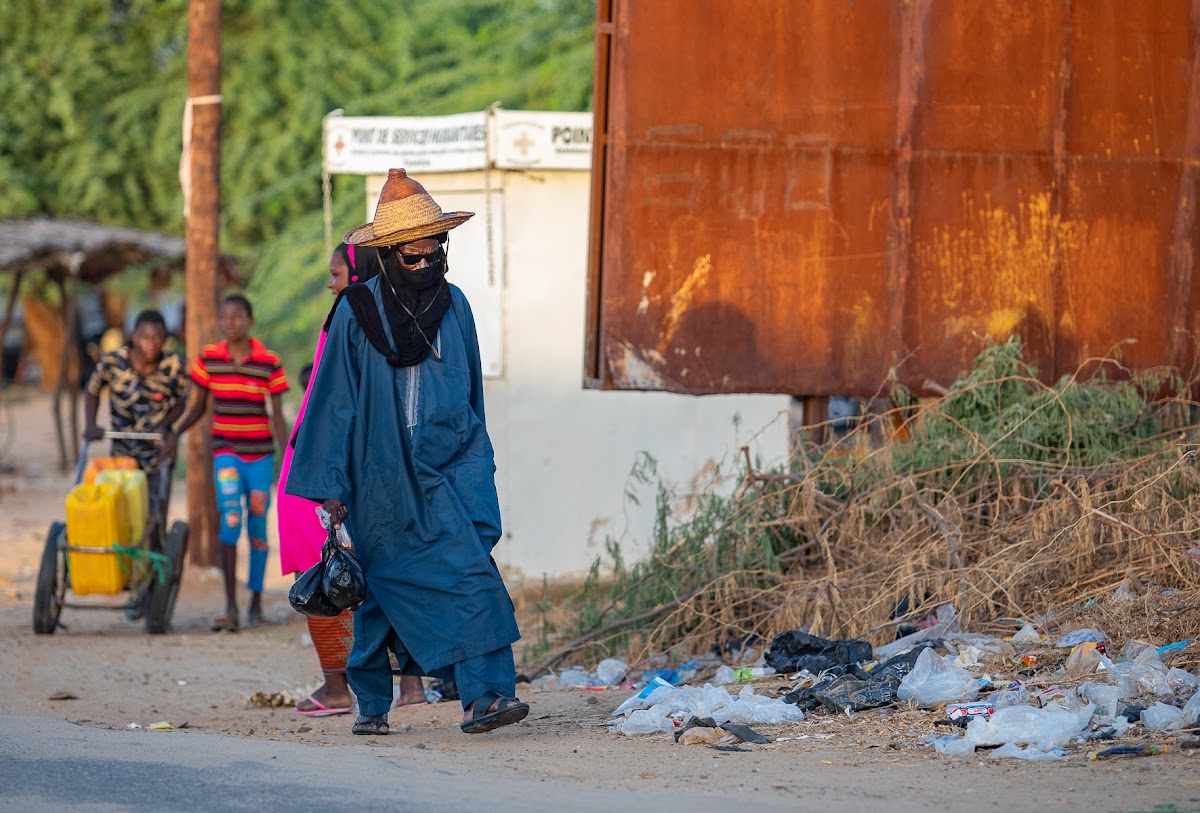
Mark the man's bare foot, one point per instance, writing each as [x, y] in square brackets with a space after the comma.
[412, 691]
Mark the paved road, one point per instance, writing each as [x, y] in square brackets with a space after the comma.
[54, 765]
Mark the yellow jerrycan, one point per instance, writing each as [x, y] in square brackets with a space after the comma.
[136, 490]
[97, 517]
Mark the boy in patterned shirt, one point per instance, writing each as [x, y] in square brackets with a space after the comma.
[147, 392]
[241, 374]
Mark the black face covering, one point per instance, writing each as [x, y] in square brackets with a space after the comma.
[414, 301]
[425, 277]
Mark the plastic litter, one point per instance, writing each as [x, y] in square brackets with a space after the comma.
[1043, 729]
[846, 693]
[1013, 751]
[1160, 716]
[1144, 675]
[671, 676]
[1010, 697]
[545, 683]
[1119, 726]
[968, 656]
[641, 699]
[715, 702]
[1181, 679]
[745, 733]
[898, 666]
[1104, 697]
[1191, 709]
[1027, 635]
[1175, 647]
[646, 721]
[610, 671]
[1077, 637]
[724, 675]
[745, 674]
[795, 650]
[569, 678]
[947, 618]
[965, 711]
[1083, 660]
[932, 682]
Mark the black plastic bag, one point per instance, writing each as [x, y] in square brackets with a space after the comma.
[795, 650]
[858, 695]
[343, 582]
[307, 595]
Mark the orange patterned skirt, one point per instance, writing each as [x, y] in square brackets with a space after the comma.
[332, 638]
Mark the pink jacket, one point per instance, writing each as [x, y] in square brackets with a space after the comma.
[300, 533]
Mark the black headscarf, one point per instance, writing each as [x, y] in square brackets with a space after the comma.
[362, 261]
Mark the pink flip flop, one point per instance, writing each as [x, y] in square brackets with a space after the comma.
[321, 709]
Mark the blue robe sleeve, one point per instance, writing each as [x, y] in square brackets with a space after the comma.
[486, 521]
[474, 362]
[324, 443]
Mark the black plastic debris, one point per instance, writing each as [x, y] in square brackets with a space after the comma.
[849, 686]
[794, 650]
[1132, 713]
[897, 666]
[745, 733]
[806, 699]
[730, 748]
[847, 692]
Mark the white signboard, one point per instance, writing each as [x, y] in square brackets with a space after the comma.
[528, 140]
[507, 139]
[372, 145]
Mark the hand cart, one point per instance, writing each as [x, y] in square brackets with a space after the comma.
[155, 562]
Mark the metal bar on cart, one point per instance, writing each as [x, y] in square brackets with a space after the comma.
[110, 435]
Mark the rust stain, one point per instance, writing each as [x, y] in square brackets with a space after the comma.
[682, 299]
[1183, 248]
[997, 267]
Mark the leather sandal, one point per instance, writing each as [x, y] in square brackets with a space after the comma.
[508, 710]
[376, 724]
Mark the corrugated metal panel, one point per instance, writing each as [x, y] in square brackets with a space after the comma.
[797, 196]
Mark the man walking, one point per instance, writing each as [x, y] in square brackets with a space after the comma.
[394, 444]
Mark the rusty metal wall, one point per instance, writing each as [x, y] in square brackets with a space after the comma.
[797, 196]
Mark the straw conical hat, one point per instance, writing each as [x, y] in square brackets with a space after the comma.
[405, 212]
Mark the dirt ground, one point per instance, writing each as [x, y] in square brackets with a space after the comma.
[116, 675]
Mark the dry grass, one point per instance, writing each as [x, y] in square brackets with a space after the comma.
[1049, 501]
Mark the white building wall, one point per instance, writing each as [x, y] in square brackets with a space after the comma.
[563, 453]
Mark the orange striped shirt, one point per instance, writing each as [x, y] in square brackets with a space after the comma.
[239, 392]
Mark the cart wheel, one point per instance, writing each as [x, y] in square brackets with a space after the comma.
[160, 606]
[51, 582]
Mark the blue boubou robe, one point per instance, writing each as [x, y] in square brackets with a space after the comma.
[406, 450]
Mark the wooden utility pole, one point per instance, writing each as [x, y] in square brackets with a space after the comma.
[202, 194]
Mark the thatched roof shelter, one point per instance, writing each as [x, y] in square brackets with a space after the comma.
[71, 252]
[90, 252]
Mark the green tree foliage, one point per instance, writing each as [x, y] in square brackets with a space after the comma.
[95, 90]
